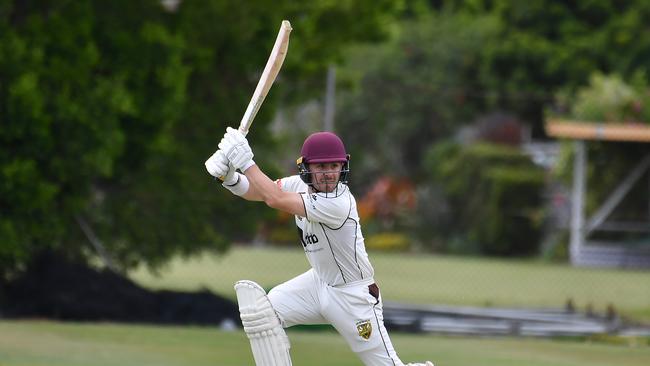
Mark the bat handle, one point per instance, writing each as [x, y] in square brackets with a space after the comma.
[222, 178]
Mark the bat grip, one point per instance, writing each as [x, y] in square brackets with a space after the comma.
[222, 178]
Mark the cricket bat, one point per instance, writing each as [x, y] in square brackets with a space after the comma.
[269, 74]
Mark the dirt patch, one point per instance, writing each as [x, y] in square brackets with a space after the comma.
[55, 288]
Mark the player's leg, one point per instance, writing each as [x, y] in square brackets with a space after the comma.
[384, 353]
[357, 314]
[351, 310]
[268, 340]
[297, 301]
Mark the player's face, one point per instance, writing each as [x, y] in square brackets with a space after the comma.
[325, 176]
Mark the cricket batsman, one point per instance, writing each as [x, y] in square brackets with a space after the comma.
[339, 289]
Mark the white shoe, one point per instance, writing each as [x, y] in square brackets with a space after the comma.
[427, 363]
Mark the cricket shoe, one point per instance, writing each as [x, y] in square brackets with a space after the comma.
[427, 363]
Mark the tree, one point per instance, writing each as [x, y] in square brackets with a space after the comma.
[457, 60]
[467, 59]
[490, 202]
[412, 91]
[543, 46]
[108, 110]
[82, 95]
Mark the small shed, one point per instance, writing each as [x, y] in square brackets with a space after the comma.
[585, 252]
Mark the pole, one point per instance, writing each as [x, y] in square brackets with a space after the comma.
[330, 94]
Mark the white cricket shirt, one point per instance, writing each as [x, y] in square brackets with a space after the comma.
[331, 233]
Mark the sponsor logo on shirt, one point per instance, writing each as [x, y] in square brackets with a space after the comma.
[311, 239]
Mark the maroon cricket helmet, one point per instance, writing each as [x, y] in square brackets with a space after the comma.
[323, 147]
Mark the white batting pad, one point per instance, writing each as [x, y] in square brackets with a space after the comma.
[269, 342]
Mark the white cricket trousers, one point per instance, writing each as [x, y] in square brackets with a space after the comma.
[355, 313]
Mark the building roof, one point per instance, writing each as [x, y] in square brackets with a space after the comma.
[579, 130]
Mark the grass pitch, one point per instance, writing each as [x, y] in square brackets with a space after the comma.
[414, 279]
[38, 343]
[426, 279]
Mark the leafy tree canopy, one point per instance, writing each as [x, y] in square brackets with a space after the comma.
[546, 45]
[109, 108]
[457, 60]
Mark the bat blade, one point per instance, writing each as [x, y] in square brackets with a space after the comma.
[269, 75]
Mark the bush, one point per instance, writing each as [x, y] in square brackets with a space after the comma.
[493, 199]
[389, 241]
[608, 98]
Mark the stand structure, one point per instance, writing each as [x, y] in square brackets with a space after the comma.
[585, 252]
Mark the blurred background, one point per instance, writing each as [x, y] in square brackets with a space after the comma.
[500, 159]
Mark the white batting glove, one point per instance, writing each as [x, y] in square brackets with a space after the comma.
[237, 150]
[219, 167]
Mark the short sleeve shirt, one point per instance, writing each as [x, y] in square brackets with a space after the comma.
[331, 233]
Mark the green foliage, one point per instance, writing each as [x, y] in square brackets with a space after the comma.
[608, 98]
[493, 199]
[460, 60]
[544, 45]
[63, 117]
[454, 61]
[108, 110]
[419, 87]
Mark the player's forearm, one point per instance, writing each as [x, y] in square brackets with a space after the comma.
[261, 186]
[273, 195]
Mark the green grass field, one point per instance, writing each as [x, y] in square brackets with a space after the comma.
[38, 343]
[415, 279]
[426, 279]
